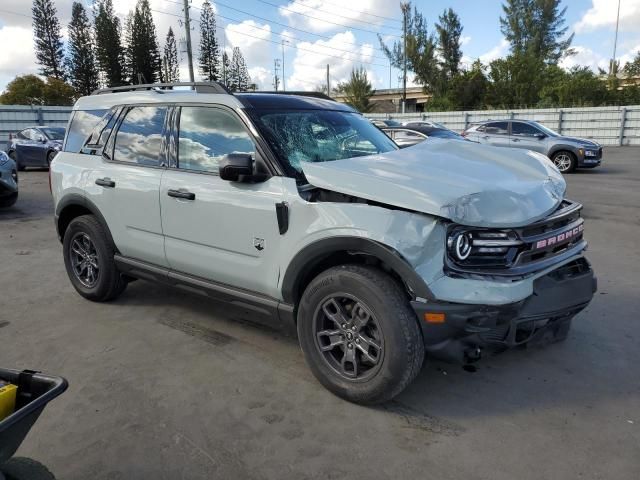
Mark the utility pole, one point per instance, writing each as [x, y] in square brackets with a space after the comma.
[405, 12]
[187, 26]
[276, 80]
[615, 44]
[328, 82]
[283, 86]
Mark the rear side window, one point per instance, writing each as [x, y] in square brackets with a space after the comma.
[523, 129]
[206, 135]
[139, 137]
[497, 128]
[82, 124]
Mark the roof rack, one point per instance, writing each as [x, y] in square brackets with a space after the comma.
[321, 95]
[200, 87]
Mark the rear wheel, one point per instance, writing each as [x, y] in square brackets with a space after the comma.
[21, 468]
[565, 161]
[88, 258]
[359, 335]
[8, 200]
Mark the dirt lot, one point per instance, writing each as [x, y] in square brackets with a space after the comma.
[166, 385]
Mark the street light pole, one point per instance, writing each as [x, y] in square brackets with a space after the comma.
[187, 27]
[283, 75]
[615, 43]
[405, 12]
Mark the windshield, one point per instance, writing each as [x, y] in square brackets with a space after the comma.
[54, 133]
[300, 136]
[546, 130]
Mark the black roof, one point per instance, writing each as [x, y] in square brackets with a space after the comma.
[294, 101]
[416, 128]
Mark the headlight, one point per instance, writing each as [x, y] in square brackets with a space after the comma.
[4, 159]
[590, 153]
[469, 247]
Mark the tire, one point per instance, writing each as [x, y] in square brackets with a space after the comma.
[20, 468]
[50, 156]
[98, 279]
[9, 200]
[565, 161]
[12, 156]
[373, 301]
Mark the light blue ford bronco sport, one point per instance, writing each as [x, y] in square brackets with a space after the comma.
[299, 209]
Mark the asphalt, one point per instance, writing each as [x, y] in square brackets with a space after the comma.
[168, 385]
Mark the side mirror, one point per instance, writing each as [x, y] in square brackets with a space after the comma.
[234, 166]
[540, 136]
[41, 139]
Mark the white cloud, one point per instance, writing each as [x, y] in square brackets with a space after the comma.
[603, 14]
[251, 37]
[342, 52]
[585, 57]
[262, 77]
[464, 40]
[323, 15]
[21, 12]
[20, 58]
[498, 51]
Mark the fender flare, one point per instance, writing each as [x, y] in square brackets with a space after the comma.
[311, 255]
[75, 199]
[568, 148]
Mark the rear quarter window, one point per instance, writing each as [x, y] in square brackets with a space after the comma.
[80, 127]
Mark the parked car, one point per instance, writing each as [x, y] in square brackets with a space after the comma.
[567, 153]
[35, 146]
[8, 181]
[304, 213]
[423, 123]
[385, 123]
[408, 136]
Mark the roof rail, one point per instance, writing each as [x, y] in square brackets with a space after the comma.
[321, 95]
[200, 87]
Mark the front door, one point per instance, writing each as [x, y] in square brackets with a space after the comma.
[218, 230]
[524, 135]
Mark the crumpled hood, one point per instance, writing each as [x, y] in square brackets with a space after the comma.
[468, 183]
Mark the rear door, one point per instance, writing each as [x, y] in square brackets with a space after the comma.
[215, 229]
[125, 185]
[525, 135]
[495, 133]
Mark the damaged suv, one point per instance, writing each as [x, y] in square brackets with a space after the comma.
[298, 209]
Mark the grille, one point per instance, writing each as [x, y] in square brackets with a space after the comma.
[526, 249]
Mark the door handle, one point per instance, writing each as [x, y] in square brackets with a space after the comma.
[515, 139]
[485, 137]
[105, 182]
[181, 194]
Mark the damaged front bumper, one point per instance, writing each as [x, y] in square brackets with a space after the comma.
[459, 332]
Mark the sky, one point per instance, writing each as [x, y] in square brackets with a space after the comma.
[343, 34]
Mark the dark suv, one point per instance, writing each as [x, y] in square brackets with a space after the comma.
[567, 153]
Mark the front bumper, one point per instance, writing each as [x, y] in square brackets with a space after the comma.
[590, 161]
[466, 329]
[8, 182]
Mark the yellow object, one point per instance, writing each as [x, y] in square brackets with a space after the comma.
[7, 399]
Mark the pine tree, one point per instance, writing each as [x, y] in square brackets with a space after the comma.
[209, 49]
[238, 79]
[142, 53]
[48, 41]
[226, 67]
[536, 28]
[81, 57]
[170, 68]
[109, 51]
[449, 30]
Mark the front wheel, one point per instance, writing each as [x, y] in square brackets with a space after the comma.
[359, 335]
[565, 161]
[8, 200]
[12, 156]
[88, 258]
[50, 156]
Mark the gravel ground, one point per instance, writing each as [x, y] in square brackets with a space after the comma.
[168, 385]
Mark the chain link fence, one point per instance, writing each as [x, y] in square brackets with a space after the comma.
[606, 125]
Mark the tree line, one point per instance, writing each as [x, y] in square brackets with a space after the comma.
[111, 53]
[529, 76]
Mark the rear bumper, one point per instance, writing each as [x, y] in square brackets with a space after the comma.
[545, 315]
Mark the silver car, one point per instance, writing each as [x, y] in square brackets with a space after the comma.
[8, 181]
[567, 153]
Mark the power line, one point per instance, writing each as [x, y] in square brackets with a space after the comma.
[328, 21]
[16, 13]
[361, 12]
[278, 43]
